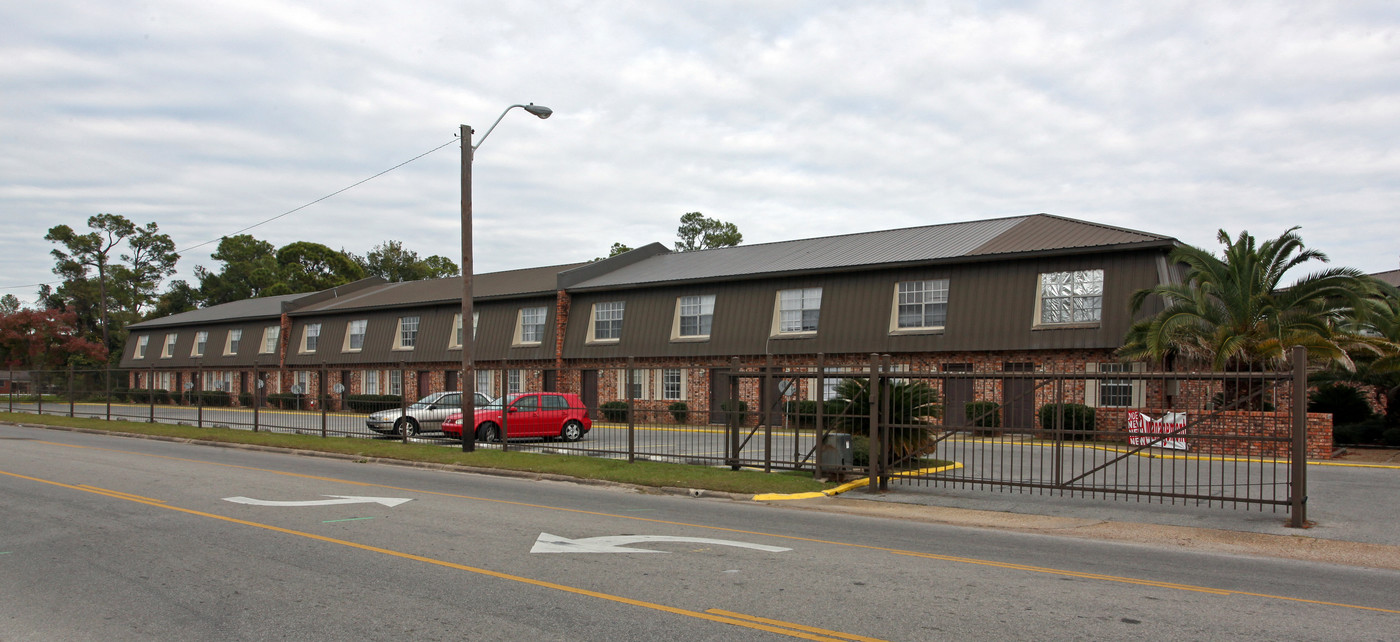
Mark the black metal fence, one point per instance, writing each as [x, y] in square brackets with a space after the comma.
[1114, 431]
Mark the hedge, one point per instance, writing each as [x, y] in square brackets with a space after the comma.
[1078, 420]
[679, 411]
[372, 403]
[614, 411]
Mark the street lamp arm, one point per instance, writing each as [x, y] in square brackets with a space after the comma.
[542, 112]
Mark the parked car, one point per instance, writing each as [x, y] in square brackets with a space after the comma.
[425, 414]
[530, 414]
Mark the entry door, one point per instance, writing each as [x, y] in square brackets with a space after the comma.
[425, 383]
[551, 381]
[590, 392]
[719, 393]
[1018, 399]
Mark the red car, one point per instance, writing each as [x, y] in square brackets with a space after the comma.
[530, 414]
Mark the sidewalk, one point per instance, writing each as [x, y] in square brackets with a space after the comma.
[1353, 511]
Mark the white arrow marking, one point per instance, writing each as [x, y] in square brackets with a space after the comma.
[339, 499]
[617, 544]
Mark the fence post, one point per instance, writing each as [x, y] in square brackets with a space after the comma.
[71, 403]
[199, 395]
[768, 413]
[505, 407]
[257, 395]
[12, 390]
[733, 418]
[1058, 430]
[151, 394]
[108, 386]
[38, 390]
[631, 411]
[820, 425]
[873, 429]
[403, 405]
[1298, 486]
[322, 397]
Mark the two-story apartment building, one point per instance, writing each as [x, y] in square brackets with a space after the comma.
[1001, 295]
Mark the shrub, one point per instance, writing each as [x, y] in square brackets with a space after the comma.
[679, 411]
[860, 450]
[213, 398]
[1391, 438]
[732, 407]
[1346, 404]
[285, 400]
[138, 395]
[245, 399]
[983, 414]
[162, 396]
[614, 411]
[121, 394]
[372, 403]
[801, 414]
[1078, 420]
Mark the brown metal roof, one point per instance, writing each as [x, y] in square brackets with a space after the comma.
[511, 283]
[1040, 233]
[1392, 277]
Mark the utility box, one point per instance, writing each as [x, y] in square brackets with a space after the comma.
[835, 452]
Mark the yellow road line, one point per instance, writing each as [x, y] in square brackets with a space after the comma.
[800, 627]
[864, 481]
[751, 622]
[722, 529]
[118, 494]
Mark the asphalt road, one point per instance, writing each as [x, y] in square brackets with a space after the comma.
[107, 538]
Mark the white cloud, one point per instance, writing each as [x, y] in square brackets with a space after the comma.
[790, 119]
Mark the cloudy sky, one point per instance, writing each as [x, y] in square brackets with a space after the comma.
[791, 119]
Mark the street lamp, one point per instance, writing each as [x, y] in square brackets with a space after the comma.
[469, 336]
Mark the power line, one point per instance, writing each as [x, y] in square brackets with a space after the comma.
[264, 222]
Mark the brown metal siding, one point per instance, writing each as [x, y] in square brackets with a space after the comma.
[213, 358]
[991, 306]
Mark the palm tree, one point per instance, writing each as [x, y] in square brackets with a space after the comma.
[1379, 368]
[1234, 314]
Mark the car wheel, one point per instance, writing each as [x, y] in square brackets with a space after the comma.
[488, 433]
[408, 424]
[573, 431]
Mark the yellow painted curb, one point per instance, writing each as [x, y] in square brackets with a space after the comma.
[832, 492]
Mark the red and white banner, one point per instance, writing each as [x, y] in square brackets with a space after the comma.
[1146, 429]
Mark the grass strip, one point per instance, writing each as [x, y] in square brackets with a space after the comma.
[641, 473]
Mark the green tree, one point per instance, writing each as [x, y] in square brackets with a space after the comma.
[309, 267]
[249, 270]
[698, 232]
[391, 262]
[1376, 369]
[91, 250]
[9, 304]
[179, 297]
[150, 257]
[1233, 313]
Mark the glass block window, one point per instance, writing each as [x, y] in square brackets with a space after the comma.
[922, 304]
[1071, 297]
[697, 312]
[798, 310]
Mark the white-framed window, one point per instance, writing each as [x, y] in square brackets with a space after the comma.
[217, 380]
[798, 310]
[201, 341]
[831, 379]
[163, 381]
[486, 382]
[355, 335]
[454, 342]
[369, 380]
[605, 322]
[640, 384]
[310, 337]
[169, 350]
[529, 326]
[304, 380]
[514, 382]
[672, 384]
[920, 305]
[235, 336]
[407, 335]
[270, 335]
[694, 315]
[396, 382]
[141, 343]
[1115, 393]
[1069, 297]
